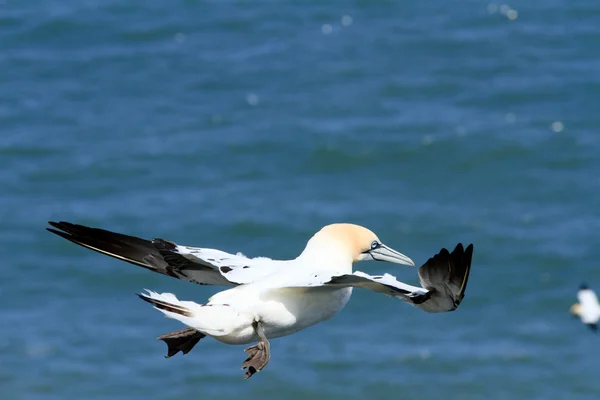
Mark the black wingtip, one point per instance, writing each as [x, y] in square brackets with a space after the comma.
[61, 225]
[144, 297]
[62, 228]
[461, 249]
[583, 286]
[444, 252]
[469, 252]
[56, 231]
[63, 234]
[593, 327]
[56, 228]
[465, 256]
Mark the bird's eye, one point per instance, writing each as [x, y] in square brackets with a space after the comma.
[374, 245]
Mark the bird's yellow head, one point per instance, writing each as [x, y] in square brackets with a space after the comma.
[575, 309]
[361, 243]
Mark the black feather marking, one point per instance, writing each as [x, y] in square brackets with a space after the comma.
[226, 269]
[158, 255]
[458, 265]
[593, 327]
[166, 244]
[163, 305]
[177, 261]
[130, 249]
[421, 297]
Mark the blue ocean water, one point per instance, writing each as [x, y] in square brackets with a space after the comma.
[246, 126]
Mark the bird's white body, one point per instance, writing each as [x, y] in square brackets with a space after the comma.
[589, 307]
[273, 300]
[276, 298]
[282, 312]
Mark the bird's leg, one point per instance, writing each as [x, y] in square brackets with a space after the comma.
[259, 354]
[182, 340]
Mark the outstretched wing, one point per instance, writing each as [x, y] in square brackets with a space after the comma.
[197, 265]
[443, 279]
[385, 284]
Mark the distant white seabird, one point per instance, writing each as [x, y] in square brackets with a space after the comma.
[272, 298]
[587, 309]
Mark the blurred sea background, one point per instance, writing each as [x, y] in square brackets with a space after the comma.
[246, 126]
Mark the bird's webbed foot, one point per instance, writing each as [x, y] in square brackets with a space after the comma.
[258, 355]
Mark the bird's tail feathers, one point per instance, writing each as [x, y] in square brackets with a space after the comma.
[168, 304]
[209, 319]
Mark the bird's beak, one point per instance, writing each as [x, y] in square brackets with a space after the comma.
[385, 253]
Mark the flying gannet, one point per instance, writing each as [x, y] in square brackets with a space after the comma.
[272, 298]
[587, 309]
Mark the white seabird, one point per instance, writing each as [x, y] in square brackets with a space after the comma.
[272, 298]
[587, 309]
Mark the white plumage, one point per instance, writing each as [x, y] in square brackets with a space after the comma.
[272, 298]
[587, 308]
